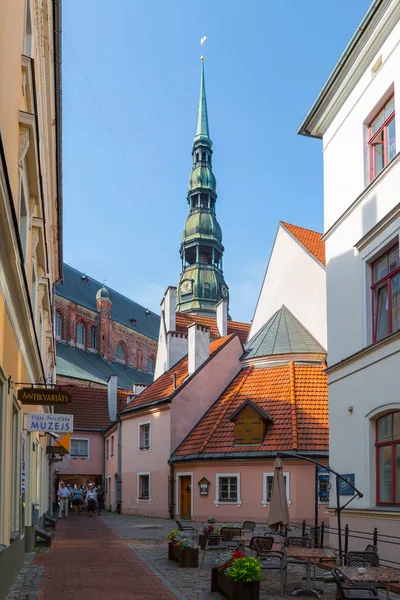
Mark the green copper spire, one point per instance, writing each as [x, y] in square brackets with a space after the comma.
[202, 284]
[202, 131]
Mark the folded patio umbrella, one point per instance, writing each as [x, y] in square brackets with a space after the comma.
[278, 519]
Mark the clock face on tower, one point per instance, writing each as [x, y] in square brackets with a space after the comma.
[186, 286]
[224, 291]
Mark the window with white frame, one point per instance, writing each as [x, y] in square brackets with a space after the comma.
[58, 325]
[80, 334]
[112, 446]
[267, 487]
[143, 484]
[107, 448]
[227, 487]
[145, 435]
[79, 448]
[23, 221]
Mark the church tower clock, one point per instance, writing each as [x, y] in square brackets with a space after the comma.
[201, 285]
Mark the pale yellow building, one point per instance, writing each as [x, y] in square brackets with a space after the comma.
[30, 256]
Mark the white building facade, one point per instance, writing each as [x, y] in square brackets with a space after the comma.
[354, 115]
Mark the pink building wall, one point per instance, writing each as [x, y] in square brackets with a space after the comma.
[84, 466]
[111, 470]
[301, 491]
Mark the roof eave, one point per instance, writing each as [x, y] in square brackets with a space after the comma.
[260, 454]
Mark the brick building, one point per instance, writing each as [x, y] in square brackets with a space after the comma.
[100, 332]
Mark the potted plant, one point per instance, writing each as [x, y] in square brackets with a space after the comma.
[210, 532]
[237, 576]
[181, 548]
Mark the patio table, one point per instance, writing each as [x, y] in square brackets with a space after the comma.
[375, 575]
[310, 554]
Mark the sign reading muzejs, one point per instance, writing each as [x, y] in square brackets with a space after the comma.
[43, 396]
[55, 423]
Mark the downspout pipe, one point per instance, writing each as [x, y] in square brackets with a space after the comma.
[119, 480]
[103, 464]
[171, 508]
[57, 28]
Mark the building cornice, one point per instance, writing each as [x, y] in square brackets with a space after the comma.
[257, 455]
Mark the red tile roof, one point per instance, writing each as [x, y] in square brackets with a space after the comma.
[90, 406]
[309, 239]
[183, 320]
[296, 397]
[163, 387]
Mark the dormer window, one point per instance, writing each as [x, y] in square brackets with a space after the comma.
[250, 424]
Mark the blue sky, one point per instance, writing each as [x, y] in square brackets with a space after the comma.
[131, 81]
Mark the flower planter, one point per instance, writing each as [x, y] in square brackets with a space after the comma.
[188, 558]
[213, 540]
[235, 590]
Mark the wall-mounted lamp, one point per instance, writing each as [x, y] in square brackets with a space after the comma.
[350, 409]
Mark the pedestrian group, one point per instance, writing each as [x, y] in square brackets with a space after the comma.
[75, 497]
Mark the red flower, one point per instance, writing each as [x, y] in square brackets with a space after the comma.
[237, 554]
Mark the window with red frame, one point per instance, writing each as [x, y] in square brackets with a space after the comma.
[388, 459]
[382, 139]
[385, 288]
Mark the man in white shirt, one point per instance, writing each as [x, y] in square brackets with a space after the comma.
[63, 494]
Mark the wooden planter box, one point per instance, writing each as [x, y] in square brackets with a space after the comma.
[235, 590]
[212, 540]
[187, 558]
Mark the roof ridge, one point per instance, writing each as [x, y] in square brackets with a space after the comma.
[231, 396]
[286, 224]
[293, 404]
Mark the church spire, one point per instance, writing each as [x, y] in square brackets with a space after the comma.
[202, 130]
[201, 285]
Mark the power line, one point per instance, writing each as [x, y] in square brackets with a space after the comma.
[129, 164]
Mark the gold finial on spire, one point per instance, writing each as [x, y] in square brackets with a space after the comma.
[202, 40]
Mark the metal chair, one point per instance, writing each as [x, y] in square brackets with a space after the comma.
[193, 531]
[225, 541]
[362, 559]
[371, 548]
[352, 592]
[298, 542]
[271, 560]
[248, 527]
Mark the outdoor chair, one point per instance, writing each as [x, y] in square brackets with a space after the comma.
[225, 541]
[371, 548]
[192, 530]
[353, 592]
[248, 527]
[298, 542]
[362, 559]
[271, 560]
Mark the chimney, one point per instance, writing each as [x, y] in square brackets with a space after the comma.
[168, 306]
[198, 346]
[222, 317]
[112, 397]
[137, 388]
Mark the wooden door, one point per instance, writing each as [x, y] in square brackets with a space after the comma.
[185, 498]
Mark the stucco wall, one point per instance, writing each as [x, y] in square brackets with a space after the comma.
[296, 279]
[84, 466]
[111, 470]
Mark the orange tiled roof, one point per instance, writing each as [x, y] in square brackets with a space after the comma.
[163, 387]
[89, 406]
[296, 397]
[309, 239]
[183, 320]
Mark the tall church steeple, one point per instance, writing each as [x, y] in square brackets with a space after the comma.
[201, 285]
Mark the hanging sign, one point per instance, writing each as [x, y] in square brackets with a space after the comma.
[62, 446]
[204, 484]
[47, 422]
[344, 488]
[23, 444]
[43, 396]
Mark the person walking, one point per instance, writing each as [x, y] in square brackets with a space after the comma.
[91, 500]
[100, 499]
[63, 494]
[78, 499]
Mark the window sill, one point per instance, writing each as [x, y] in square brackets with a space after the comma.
[80, 457]
[223, 502]
[143, 500]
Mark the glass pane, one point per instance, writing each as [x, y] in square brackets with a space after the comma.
[393, 259]
[398, 473]
[396, 425]
[389, 108]
[385, 429]
[396, 303]
[385, 471]
[377, 122]
[391, 134]
[382, 307]
[381, 268]
[378, 150]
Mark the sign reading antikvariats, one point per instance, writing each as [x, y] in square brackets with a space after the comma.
[43, 396]
[54, 423]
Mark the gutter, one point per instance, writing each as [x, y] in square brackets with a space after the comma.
[57, 18]
[244, 455]
[302, 130]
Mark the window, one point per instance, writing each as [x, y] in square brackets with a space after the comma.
[80, 334]
[385, 288]
[144, 435]
[107, 448]
[388, 459]
[228, 488]
[151, 365]
[143, 486]
[93, 337]
[323, 487]
[79, 448]
[140, 360]
[112, 445]
[28, 30]
[23, 221]
[382, 139]
[33, 293]
[267, 487]
[58, 325]
[120, 354]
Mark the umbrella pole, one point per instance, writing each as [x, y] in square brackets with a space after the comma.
[339, 520]
[316, 544]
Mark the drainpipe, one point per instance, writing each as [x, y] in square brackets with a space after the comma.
[171, 507]
[103, 465]
[119, 482]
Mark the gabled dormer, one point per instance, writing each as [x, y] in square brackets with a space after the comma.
[251, 424]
